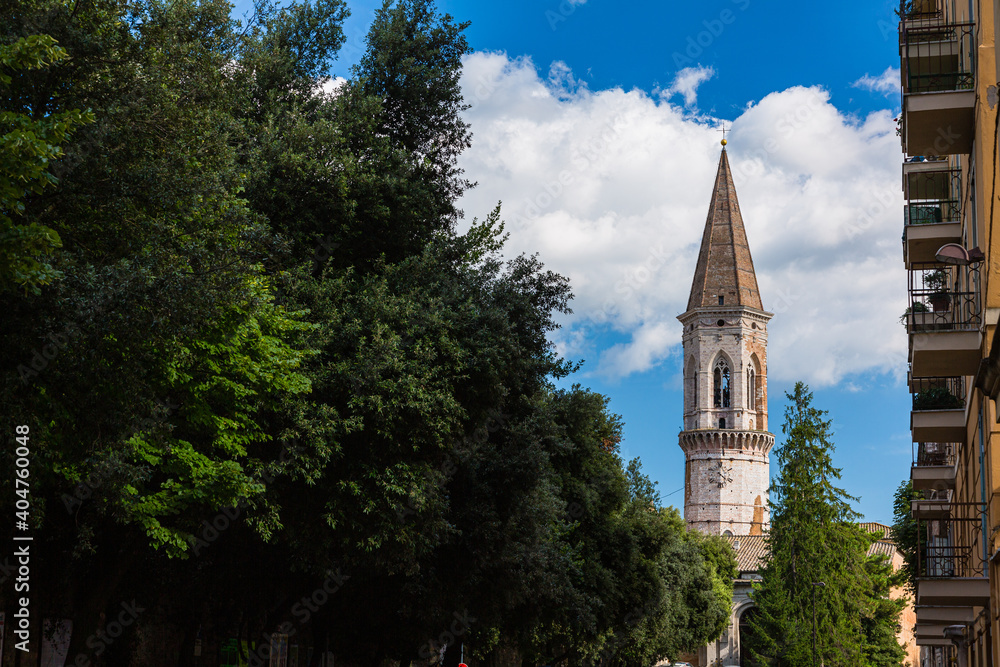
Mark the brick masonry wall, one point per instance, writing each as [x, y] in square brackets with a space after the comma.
[726, 479]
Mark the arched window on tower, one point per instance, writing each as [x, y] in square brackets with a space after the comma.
[722, 392]
[691, 385]
[751, 389]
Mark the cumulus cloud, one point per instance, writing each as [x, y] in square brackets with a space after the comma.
[611, 188]
[886, 83]
[686, 83]
[331, 85]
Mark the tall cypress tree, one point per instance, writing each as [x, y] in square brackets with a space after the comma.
[814, 538]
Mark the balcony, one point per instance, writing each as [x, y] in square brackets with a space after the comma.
[932, 214]
[937, 68]
[944, 320]
[917, 10]
[938, 414]
[957, 591]
[951, 564]
[934, 509]
[933, 641]
[945, 615]
[929, 630]
[933, 466]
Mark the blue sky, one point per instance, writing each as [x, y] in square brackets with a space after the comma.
[595, 122]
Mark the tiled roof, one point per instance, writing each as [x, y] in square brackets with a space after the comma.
[725, 267]
[880, 528]
[887, 549]
[751, 550]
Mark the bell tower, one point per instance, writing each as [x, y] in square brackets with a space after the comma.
[725, 437]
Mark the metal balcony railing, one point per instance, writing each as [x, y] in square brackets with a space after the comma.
[938, 393]
[937, 57]
[934, 454]
[943, 297]
[931, 211]
[951, 547]
[933, 196]
[923, 10]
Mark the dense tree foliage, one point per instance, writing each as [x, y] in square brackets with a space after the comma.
[814, 538]
[271, 388]
[905, 530]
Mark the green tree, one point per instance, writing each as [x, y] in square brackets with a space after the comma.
[904, 530]
[276, 359]
[31, 135]
[814, 538]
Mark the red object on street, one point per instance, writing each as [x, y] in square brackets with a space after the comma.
[462, 664]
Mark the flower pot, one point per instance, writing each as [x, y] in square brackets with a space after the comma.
[940, 302]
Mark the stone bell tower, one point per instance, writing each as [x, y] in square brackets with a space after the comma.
[725, 438]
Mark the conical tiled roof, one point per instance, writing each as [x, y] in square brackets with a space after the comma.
[725, 267]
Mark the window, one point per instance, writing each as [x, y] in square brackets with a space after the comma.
[722, 300]
[691, 385]
[722, 422]
[751, 389]
[721, 376]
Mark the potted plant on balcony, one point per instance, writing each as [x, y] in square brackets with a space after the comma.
[936, 398]
[917, 307]
[937, 281]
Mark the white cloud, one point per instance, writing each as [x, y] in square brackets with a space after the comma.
[886, 83]
[331, 85]
[687, 81]
[612, 187]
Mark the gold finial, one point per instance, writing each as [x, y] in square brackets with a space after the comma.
[723, 130]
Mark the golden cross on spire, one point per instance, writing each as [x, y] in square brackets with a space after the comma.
[723, 130]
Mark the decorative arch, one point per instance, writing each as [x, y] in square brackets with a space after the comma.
[691, 384]
[744, 631]
[755, 384]
[722, 377]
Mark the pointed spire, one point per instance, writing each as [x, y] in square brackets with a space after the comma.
[725, 267]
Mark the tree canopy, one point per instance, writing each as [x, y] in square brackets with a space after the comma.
[819, 564]
[272, 388]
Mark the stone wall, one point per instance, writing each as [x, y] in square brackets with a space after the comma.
[725, 480]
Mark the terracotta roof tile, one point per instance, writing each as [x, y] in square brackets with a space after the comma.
[751, 550]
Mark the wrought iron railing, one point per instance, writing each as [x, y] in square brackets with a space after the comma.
[933, 196]
[936, 454]
[923, 10]
[951, 547]
[938, 393]
[938, 57]
[929, 212]
[943, 297]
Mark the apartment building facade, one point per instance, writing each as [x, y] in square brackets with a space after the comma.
[949, 130]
